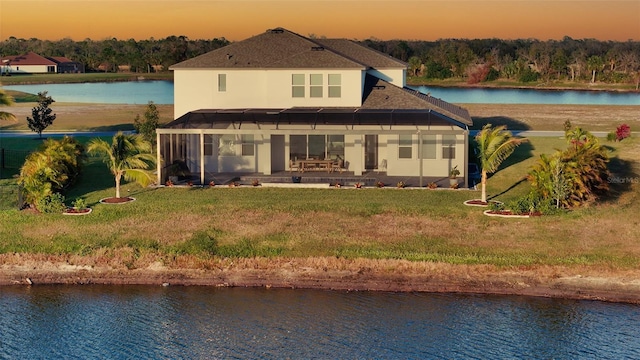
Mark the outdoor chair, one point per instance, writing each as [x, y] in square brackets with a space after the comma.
[294, 165]
[338, 165]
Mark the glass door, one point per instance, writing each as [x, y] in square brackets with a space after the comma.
[370, 152]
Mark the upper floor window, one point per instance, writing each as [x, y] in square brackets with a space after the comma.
[315, 82]
[335, 85]
[297, 85]
[222, 82]
[404, 147]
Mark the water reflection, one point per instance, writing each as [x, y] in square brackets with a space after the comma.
[117, 322]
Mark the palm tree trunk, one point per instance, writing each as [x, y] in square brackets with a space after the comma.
[484, 186]
[118, 176]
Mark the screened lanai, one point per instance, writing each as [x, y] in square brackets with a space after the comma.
[204, 143]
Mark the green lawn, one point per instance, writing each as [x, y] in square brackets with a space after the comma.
[81, 78]
[413, 224]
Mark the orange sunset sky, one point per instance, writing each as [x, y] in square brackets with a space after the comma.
[353, 19]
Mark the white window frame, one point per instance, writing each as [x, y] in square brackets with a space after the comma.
[222, 82]
[297, 85]
[403, 146]
[335, 85]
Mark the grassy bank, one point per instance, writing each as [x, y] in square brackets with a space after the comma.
[510, 83]
[85, 117]
[404, 224]
[81, 78]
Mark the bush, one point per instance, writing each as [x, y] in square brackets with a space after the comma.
[492, 75]
[528, 75]
[52, 203]
[80, 204]
[622, 132]
[496, 206]
[53, 168]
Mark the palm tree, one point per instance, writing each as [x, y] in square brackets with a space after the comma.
[128, 156]
[494, 146]
[5, 100]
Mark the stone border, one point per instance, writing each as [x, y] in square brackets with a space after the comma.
[480, 205]
[514, 216]
[78, 213]
[132, 199]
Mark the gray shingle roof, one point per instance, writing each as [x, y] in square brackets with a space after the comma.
[273, 49]
[379, 94]
[362, 54]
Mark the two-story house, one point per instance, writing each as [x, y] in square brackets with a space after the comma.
[270, 103]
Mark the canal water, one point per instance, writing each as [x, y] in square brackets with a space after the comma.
[145, 322]
[161, 92]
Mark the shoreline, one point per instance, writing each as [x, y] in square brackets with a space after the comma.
[339, 274]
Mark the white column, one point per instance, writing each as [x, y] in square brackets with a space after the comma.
[359, 149]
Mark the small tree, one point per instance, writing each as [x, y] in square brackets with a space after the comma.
[41, 114]
[494, 146]
[128, 157]
[147, 127]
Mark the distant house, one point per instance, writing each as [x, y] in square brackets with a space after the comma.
[66, 65]
[33, 63]
[279, 101]
[30, 63]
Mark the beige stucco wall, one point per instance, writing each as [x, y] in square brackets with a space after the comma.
[27, 69]
[198, 89]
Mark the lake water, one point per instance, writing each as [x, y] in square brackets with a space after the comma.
[161, 92]
[144, 322]
[125, 92]
[530, 96]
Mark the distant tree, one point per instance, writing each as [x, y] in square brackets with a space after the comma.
[147, 127]
[594, 63]
[41, 114]
[6, 100]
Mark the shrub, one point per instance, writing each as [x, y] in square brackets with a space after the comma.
[528, 75]
[612, 136]
[622, 132]
[52, 168]
[79, 204]
[496, 206]
[52, 203]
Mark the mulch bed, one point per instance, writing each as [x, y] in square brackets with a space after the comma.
[478, 202]
[77, 211]
[115, 200]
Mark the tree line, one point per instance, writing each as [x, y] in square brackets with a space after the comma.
[473, 60]
[113, 54]
[523, 60]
